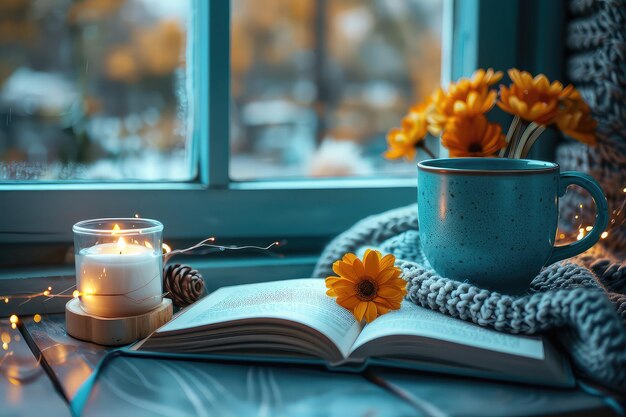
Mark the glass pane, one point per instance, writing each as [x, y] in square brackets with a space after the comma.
[316, 84]
[95, 89]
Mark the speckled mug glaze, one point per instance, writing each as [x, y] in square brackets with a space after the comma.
[493, 221]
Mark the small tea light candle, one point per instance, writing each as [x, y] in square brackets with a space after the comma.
[119, 266]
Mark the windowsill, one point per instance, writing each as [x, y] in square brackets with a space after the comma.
[216, 273]
[270, 184]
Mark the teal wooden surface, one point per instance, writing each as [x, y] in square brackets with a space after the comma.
[71, 360]
[140, 386]
[151, 387]
[25, 389]
[473, 397]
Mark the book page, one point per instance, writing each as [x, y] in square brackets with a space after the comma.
[413, 320]
[299, 300]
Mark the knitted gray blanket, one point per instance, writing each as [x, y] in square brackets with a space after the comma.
[582, 301]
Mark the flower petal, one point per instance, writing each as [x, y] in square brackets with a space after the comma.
[359, 310]
[349, 303]
[395, 153]
[372, 263]
[349, 258]
[371, 313]
[473, 103]
[387, 261]
[382, 309]
[359, 269]
[330, 281]
[398, 283]
[383, 302]
[387, 274]
[459, 108]
[344, 291]
[346, 271]
[390, 292]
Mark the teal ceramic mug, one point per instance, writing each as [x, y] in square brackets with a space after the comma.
[493, 221]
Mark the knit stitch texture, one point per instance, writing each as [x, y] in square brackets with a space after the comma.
[581, 301]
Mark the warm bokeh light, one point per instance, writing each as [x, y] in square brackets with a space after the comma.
[166, 248]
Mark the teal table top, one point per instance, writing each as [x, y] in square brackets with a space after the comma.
[137, 386]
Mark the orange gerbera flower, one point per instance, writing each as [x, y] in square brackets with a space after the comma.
[367, 288]
[574, 119]
[466, 98]
[532, 99]
[482, 79]
[402, 142]
[472, 136]
[399, 145]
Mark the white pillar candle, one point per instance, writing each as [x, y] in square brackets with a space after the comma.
[119, 279]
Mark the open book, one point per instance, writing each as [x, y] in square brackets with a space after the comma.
[295, 321]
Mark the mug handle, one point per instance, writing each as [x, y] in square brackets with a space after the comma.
[602, 215]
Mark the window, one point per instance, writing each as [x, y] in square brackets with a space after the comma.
[317, 84]
[95, 90]
[188, 186]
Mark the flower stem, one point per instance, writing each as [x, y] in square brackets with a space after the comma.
[522, 143]
[517, 138]
[532, 138]
[428, 151]
[511, 137]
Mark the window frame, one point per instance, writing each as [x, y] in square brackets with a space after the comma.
[220, 207]
[214, 205]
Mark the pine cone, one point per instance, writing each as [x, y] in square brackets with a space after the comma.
[184, 284]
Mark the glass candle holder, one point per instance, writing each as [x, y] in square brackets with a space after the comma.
[119, 265]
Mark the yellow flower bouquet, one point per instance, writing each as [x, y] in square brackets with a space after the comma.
[457, 115]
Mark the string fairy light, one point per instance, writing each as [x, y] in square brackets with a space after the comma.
[167, 254]
[45, 293]
[13, 320]
[207, 243]
[618, 217]
[6, 339]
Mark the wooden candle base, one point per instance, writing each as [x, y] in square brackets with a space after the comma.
[114, 331]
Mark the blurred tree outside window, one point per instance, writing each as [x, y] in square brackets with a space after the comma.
[100, 90]
[316, 84]
[94, 90]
